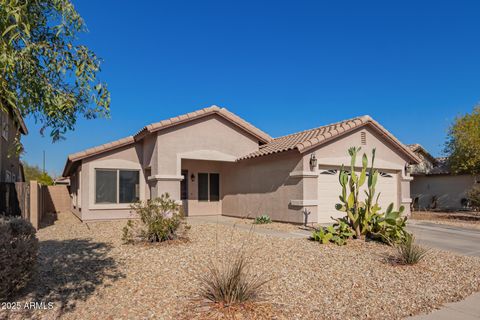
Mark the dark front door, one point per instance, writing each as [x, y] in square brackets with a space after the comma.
[184, 186]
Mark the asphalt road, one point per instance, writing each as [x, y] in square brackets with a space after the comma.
[445, 237]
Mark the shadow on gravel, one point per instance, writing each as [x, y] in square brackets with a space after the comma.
[69, 271]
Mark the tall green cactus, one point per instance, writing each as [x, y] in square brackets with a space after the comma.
[359, 213]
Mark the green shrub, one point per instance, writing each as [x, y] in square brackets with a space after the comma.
[161, 219]
[18, 254]
[263, 219]
[231, 282]
[338, 233]
[389, 227]
[473, 196]
[410, 253]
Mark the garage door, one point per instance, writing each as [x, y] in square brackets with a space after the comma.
[329, 189]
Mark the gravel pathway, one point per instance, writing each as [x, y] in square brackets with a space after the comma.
[88, 274]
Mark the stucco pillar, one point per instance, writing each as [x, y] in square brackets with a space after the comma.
[165, 184]
[405, 199]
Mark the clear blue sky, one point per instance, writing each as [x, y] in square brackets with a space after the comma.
[413, 66]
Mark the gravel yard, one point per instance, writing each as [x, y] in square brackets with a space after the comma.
[88, 274]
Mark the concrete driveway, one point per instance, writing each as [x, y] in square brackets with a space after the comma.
[454, 239]
[459, 240]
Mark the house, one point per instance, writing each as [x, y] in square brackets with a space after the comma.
[435, 187]
[216, 163]
[11, 127]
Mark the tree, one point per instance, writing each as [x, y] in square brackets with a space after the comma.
[45, 73]
[35, 173]
[463, 143]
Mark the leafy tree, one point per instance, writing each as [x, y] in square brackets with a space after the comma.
[463, 143]
[35, 173]
[45, 73]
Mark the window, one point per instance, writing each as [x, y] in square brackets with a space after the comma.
[5, 126]
[129, 186]
[203, 186]
[208, 186]
[116, 186]
[106, 186]
[214, 187]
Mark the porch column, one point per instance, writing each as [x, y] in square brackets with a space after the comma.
[166, 184]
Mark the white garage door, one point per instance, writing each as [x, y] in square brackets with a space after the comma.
[329, 189]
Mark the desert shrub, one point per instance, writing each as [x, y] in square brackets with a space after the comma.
[161, 219]
[410, 253]
[263, 219]
[18, 254]
[231, 282]
[473, 196]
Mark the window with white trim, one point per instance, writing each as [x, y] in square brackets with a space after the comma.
[116, 186]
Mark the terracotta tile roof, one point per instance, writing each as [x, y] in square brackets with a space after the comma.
[308, 139]
[100, 149]
[224, 113]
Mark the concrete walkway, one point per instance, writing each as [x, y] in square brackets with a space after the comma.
[444, 237]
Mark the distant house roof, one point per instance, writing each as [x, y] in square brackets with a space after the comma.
[416, 147]
[18, 118]
[441, 167]
[309, 139]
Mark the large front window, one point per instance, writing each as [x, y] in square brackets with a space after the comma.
[116, 186]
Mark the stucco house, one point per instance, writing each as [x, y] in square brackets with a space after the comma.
[11, 126]
[216, 163]
[435, 187]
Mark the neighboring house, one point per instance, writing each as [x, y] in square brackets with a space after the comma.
[434, 187]
[11, 124]
[216, 163]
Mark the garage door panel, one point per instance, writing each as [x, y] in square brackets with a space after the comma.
[329, 189]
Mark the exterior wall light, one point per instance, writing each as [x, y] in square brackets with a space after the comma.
[313, 160]
[192, 177]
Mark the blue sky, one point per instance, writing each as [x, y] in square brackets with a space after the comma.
[283, 66]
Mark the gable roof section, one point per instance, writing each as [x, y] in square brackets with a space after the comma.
[309, 139]
[222, 112]
[154, 127]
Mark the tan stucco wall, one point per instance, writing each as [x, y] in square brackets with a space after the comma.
[264, 186]
[124, 158]
[210, 138]
[448, 189]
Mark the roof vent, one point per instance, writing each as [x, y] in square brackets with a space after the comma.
[363, 138]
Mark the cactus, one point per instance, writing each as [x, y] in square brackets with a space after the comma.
[355, 209]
